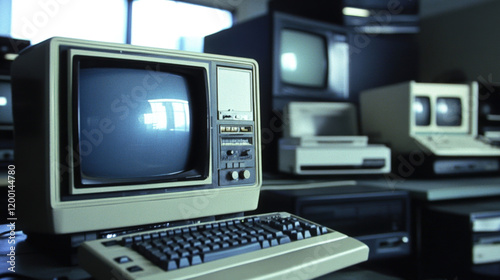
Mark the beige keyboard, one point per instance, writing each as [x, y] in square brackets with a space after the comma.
[271, 246]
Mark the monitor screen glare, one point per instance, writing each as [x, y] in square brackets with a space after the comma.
[129, 134]
[422, 109]
[446, 112]
[303, 58]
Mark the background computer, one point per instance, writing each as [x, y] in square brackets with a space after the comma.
[431, 124]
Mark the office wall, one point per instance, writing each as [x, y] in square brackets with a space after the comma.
[436, 7]
[248, 9]
[463, 41]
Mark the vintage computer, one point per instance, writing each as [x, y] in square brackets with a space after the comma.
[433, 125]
[322, 138]
[155, 154]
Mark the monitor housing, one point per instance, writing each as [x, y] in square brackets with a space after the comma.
[111, 136]
[300, 59]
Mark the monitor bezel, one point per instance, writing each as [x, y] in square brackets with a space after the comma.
[73, 57]
[332, 35]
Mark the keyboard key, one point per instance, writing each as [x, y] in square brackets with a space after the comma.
[196, 259]
[284, 240]
[183, 262]
[231, 251]
[134, 268]
[126, 241]
[169, 265]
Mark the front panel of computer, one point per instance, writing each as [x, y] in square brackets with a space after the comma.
[236, 130]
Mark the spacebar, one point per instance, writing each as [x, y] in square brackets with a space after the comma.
[231, 251]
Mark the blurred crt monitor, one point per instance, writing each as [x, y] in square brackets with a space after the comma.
[438, 118]
[110, 136]
[300, 59]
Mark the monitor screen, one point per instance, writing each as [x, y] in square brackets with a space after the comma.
[133, 131]
[422, 110]
[448, 111]
[5, 102]
[303, 58]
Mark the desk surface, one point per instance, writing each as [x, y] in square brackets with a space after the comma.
[435, 189]
[442, 188]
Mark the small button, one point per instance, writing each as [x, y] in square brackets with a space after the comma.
[134, 268]
[123, 259]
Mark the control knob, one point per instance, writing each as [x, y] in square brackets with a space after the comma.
[245, 174]
[233, 175]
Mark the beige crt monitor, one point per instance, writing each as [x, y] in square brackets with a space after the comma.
[113, 135]
[439, 118]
